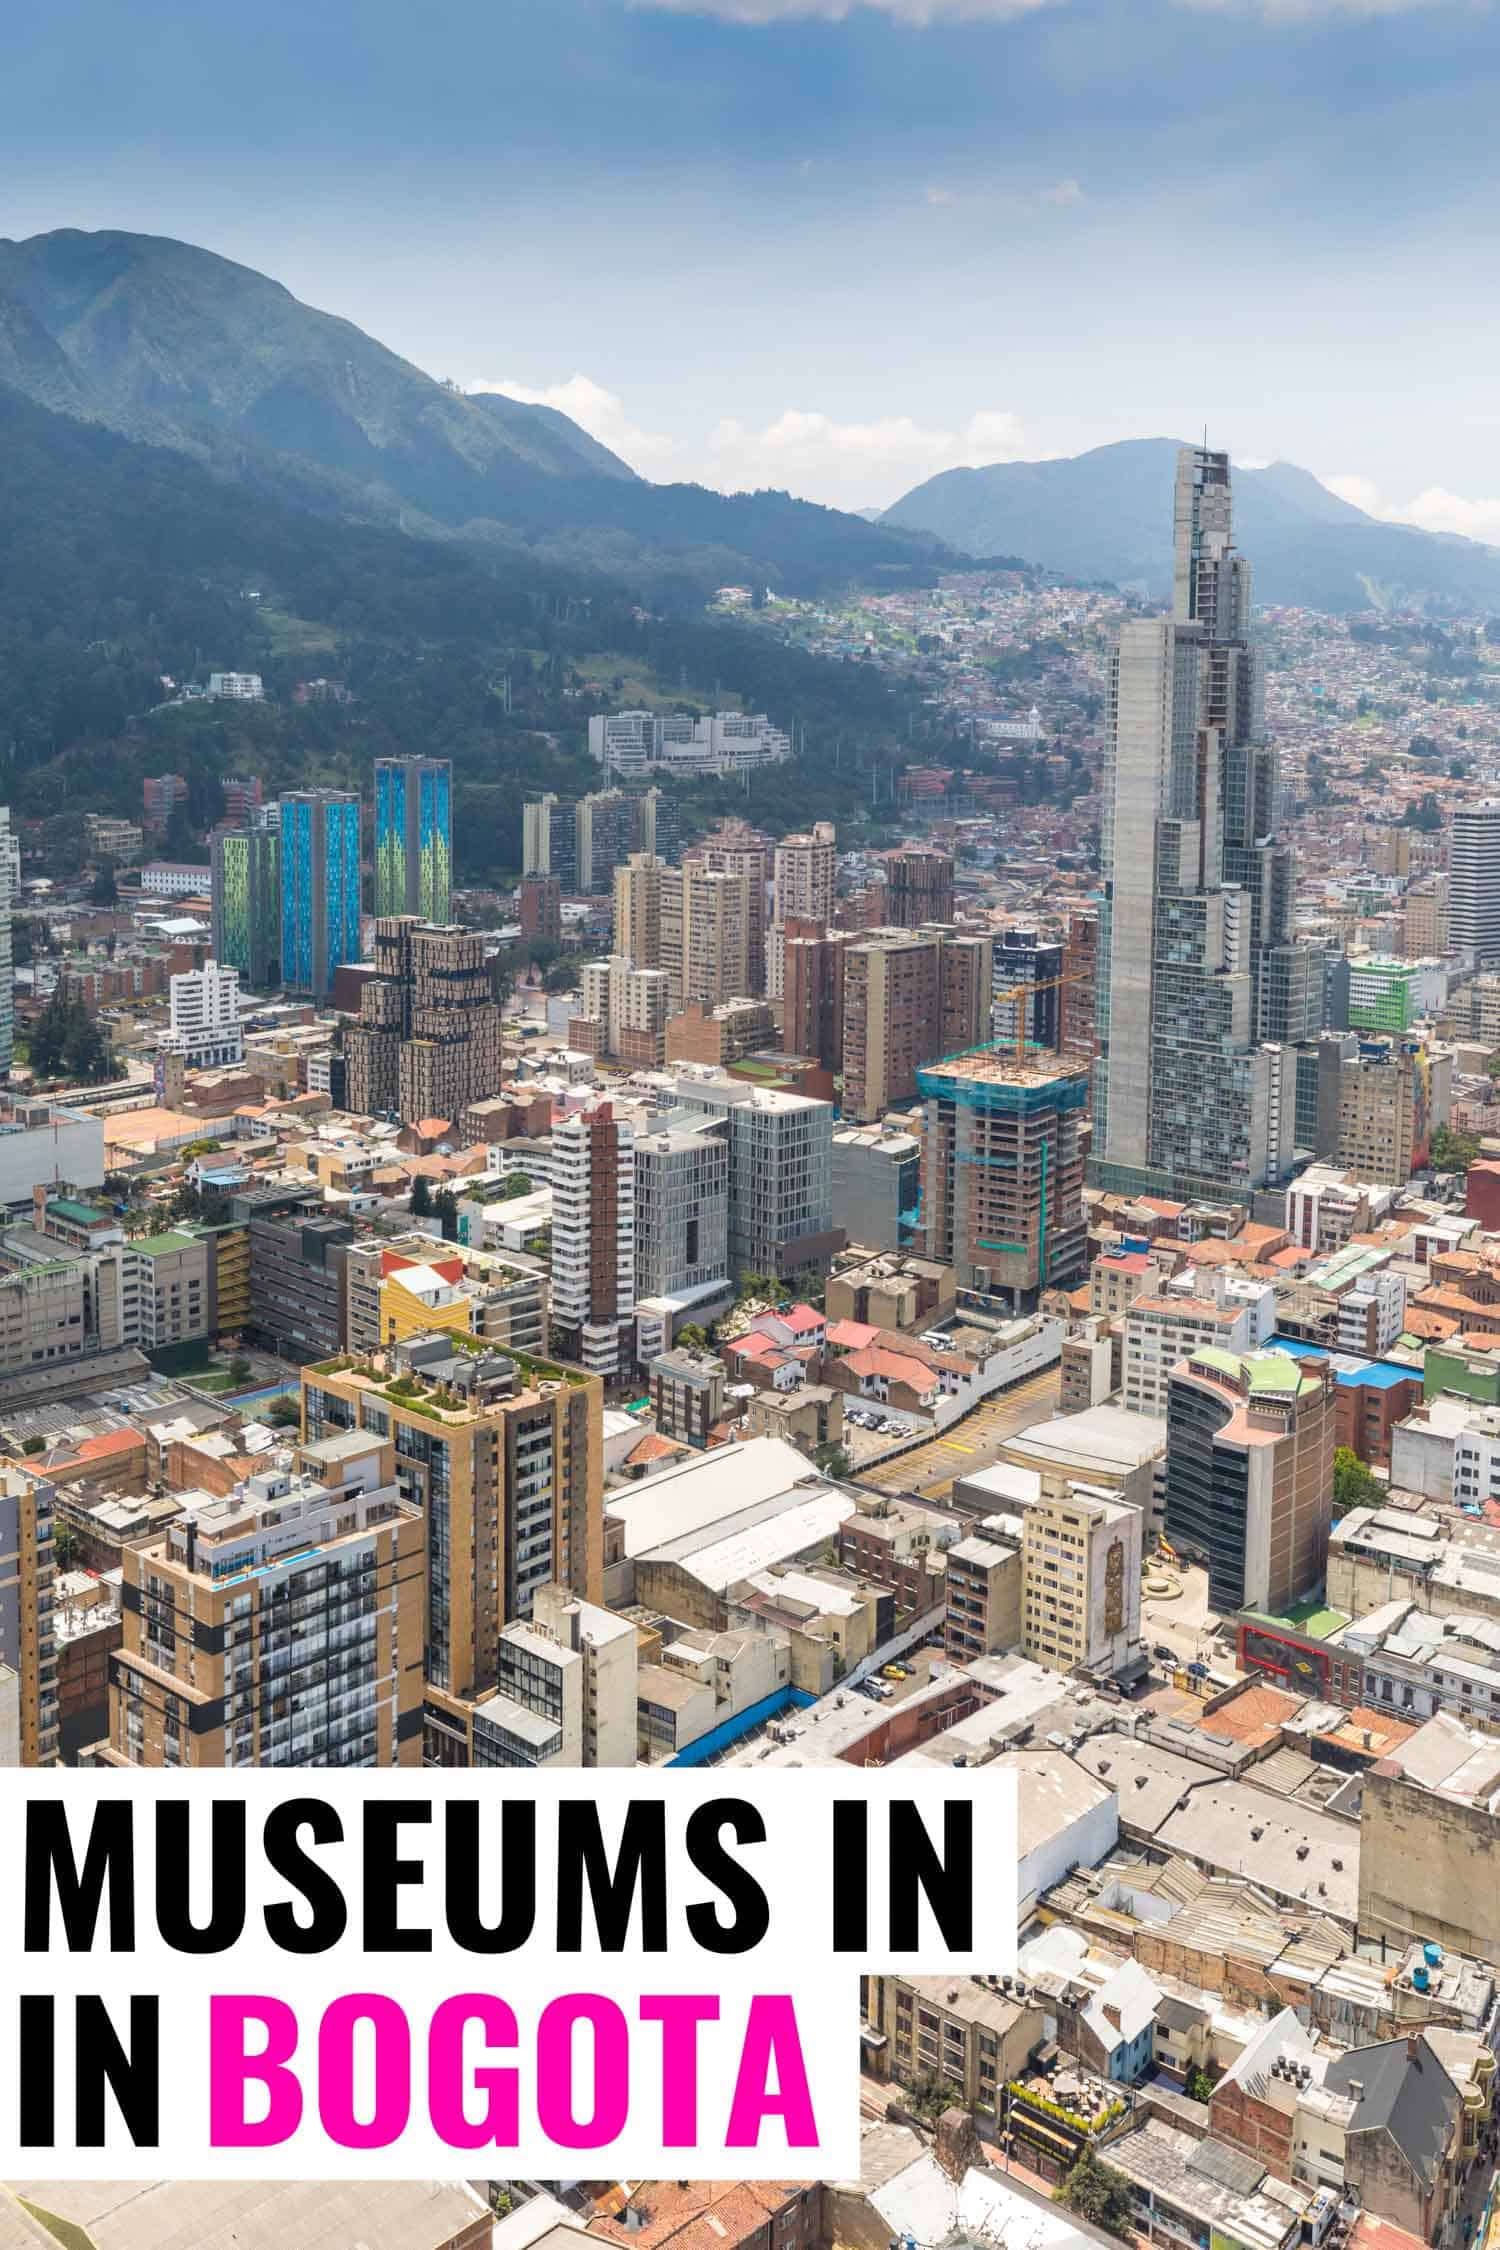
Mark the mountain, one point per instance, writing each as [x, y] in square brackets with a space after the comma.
[174, 346]
[1107, 514]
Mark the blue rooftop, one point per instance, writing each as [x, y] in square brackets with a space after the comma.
[1379, 1374]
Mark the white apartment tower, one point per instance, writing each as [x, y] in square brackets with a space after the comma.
[205, 1017]
[805, 873]
[593, 1239]
[1474, 881]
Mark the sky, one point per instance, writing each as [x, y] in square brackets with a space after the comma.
[839, 245]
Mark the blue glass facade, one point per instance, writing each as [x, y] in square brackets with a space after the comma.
[320, 878]
[413, 837]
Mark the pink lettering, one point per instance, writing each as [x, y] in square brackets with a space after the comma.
[336, 2070]
[772, 2041]
[679, 2014]
[231, 2070]
[554, 2070]
[446, 2083]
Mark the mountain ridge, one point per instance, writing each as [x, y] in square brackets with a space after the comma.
[1106, 514]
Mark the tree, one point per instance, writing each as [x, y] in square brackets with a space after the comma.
[1451, 1152]
[445, 1211]
[239, 1369]
[1198, 2085]
[283, 1412]
[1093, 2191]
[421, 1197]
[693, 1336]
[833, 1461]
[1354, 1486]
[103, 891]
[513, 1186]
[67, 1041]
[1428, 815]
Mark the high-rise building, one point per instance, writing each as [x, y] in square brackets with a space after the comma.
[638, 887]
[1474, 881]
[806, 871]
[1024, 957]
[242, 799]
[606, 827]
[205, 1017]
[812, 991]
[549, 840]
[965, 982]
[10, 877]
[1081, 1579]
[1079, 1037]
[735, 848]
[246, 890]
[278, 1625]
[1250, 1445]
[1002, 1172]
[161, 794]
[1197, 889]
[707, 923]
[1425, 924]
[1391, 1095]
[414, 837]
[593, 1239]
[539, 909]
[918, 887]
[681, 1212]
[427, 1042]
[892, 1014]
[28, 1639]
[505, 1460]
[658, 824]
[319, 887]
[625, 1013]
[780, 1173]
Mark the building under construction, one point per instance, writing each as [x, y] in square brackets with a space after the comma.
[1002, 1173]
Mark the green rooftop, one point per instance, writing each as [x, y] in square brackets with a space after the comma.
[81, 1214]
[156, 1244]
[1311, 1619]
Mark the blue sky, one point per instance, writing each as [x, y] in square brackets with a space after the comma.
[839, 244]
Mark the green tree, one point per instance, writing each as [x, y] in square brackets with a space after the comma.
[283, 1413]
[514, 1186]
[66, 1041]
[1354, 1486]
[1198, 2085]
[1093, 2191]
[1452, 1152]
[239, 1369]
[445, 1211]
[1428, 815]
[104, 891]
[421, 1197]
[693, 1336]
[833, 1460]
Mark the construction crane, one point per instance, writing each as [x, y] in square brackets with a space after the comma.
[1023, 992]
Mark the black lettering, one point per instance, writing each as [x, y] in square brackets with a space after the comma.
[50, 1865]
[751, 1917]
[38, 2069]
[641, 1868]
[466, 1925]
[385, 1874]
[174, 1849]
[946, 1882]
[283, 1850]
[132, 2075]
[851, 1875]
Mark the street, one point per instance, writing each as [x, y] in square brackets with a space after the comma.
[929, 1470]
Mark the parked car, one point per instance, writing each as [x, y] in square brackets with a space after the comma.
[1163, 1654]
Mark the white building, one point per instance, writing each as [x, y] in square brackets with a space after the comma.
[205, 1017]
[175, 878]
[39, 1142]
[1474, 881]
[726, 742]
[780, 1172]
[1198, 1307]
[593, 1239]
[242, 687]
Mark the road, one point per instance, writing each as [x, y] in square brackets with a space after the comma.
[973, 1443]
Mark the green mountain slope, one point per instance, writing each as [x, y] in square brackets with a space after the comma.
[170, 344]
[1107, 514]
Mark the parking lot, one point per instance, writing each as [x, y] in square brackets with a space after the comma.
[1180, 1619]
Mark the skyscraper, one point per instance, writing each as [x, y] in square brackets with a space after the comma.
[593, 1239]
[735, 848]
[1197, 888]
[246, 889]
[319, 887]
[414, 837]
[1002, 1172]
[1474, 881]
[427, 1042]
[10, 872]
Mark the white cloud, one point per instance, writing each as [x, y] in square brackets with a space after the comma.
[602, 414]
[845, 464]
[919, 13]
[1064, 193]
[937, 196]
[855, 464]
[1435, 509]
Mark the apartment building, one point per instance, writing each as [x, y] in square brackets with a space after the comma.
[687, 1394]
[625, 1013]
[877, 1185]
[205, 1018]
[28, 1622]
[414, 837]
[494, 1299]
[297, 1251]
[1196, 1308]
[805, 874]
[567, 1692]
[427, 1043]
[594, 1239]
[983, 1598]
[1250, 1446]
[963, 2033]
[918, 886]
[1081, 1592]
[780, 1173]
[736, 849]
[892, 1015]
[279, 1625]
[1391, 1094]
[707, 933]
[504, 1457]
[65, 1309]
